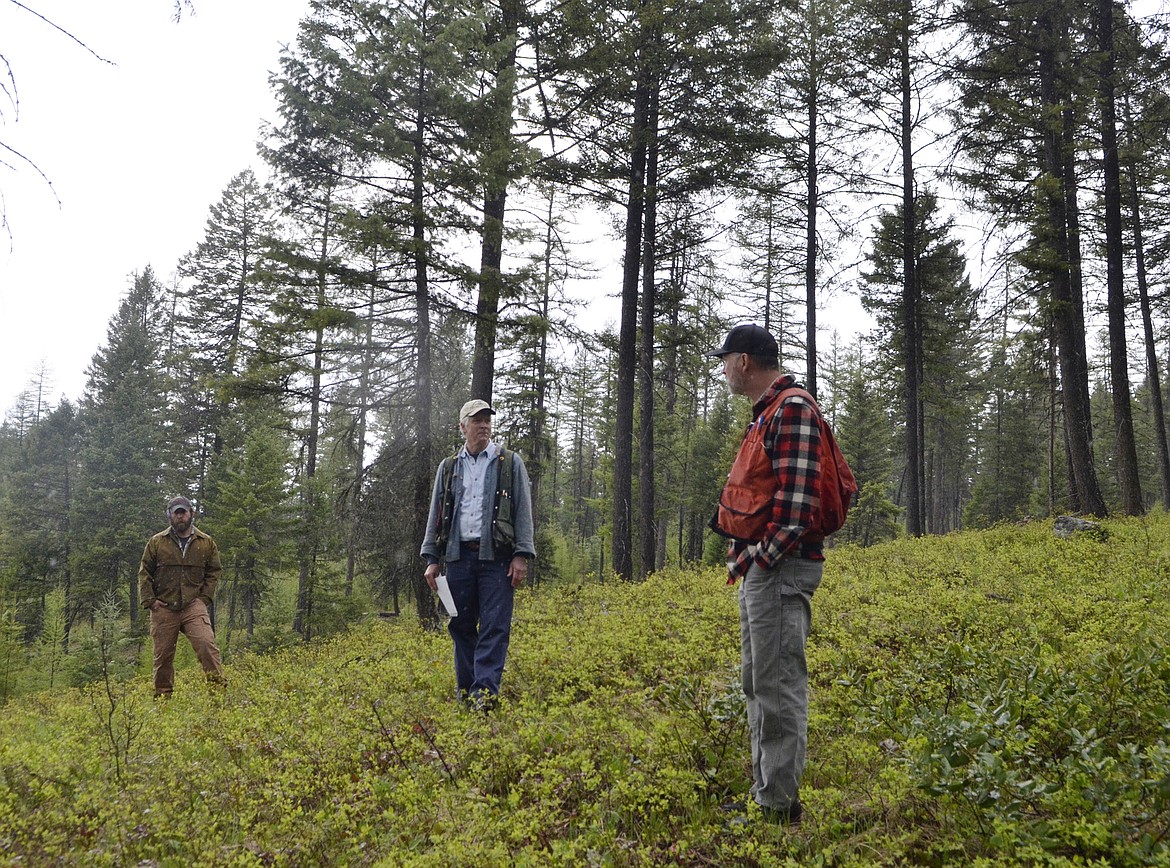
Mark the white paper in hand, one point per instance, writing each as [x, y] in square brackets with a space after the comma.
[445, 594]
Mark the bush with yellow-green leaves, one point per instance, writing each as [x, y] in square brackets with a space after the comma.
[991, 698]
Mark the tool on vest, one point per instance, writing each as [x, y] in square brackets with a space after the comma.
[503, 523]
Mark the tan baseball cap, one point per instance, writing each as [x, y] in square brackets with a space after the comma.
[475, 405]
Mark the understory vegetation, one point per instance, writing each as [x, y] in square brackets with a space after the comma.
[999, 697]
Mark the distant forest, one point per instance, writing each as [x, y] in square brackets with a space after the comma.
[990, 179]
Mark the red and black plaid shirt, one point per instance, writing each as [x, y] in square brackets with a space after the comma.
[792, 437]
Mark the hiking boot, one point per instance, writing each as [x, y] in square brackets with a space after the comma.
[789, 816]
[738, 812]
[481, 702]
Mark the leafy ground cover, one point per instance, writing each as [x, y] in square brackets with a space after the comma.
[993, 698]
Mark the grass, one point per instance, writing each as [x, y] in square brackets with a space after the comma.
[992, 698]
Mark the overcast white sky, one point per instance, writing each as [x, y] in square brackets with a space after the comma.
[137, 151]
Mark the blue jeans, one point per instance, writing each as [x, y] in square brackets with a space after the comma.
[483, 597]
[775, 612]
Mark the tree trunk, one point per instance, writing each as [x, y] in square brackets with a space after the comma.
[646, 489]
[1067, 309]
[67, 615]
[1053, 400]
[487, 311]
[359, 435]
[1128, 479]
[233, 590]
[673, 473]
[623, 470]
[250, 600]
[135, 609]
[307, 541]
[1153, 372]
[811, 206]
[424, 463]
[541, 448]
[499, 110]
[914, 453]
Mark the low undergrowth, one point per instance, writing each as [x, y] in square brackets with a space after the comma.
[993, 698]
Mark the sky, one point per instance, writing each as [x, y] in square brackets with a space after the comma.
[138, 123]
[137, 144]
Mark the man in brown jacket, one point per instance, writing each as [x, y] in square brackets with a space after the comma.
[176, 583]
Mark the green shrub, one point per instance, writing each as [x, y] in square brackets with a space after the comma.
[991, 698]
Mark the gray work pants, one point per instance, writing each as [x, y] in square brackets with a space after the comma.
[775, 611]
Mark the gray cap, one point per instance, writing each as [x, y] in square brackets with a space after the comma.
[178, 503]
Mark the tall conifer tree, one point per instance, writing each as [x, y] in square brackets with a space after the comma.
[127, 469]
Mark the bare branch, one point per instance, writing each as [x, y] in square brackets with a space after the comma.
[21, 158]
[65, 32]
[180, 5]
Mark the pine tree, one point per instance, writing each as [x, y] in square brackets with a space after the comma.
[945, 337]
[1009, 457]
[898, 43]
[1022, 107]
[125, 454]
[639, 87]
[384, 97]
[309, 315]
[35, 508]
[252, 516]
[791, 218]
[1146, 111]
[1126, 452]
[865, 428]
[224, 304]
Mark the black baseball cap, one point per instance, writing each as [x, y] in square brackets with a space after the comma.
[748, 338]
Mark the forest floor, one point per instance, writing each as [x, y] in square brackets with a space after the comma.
[990, 698]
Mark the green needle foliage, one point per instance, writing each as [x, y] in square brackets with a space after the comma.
[999, 697]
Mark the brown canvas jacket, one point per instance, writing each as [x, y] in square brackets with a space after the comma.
[166, 575]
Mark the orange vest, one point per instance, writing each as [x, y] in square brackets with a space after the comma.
[745, 504]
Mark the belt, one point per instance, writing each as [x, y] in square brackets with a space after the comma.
[471, 545]
[813, 550]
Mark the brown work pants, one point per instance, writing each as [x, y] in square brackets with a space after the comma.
[165, 627]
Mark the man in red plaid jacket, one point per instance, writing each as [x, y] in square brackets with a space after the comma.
[769, 510]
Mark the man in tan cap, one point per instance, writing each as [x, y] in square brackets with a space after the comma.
[480, 529]
[176, 583]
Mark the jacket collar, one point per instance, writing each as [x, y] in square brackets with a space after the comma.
[490, 451]
[195, 532]
[784, 381]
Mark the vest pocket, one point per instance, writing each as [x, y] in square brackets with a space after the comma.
[741, 500]
[743, 512]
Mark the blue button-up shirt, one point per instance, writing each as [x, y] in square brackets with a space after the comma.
[473, 469]
[465, 500]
